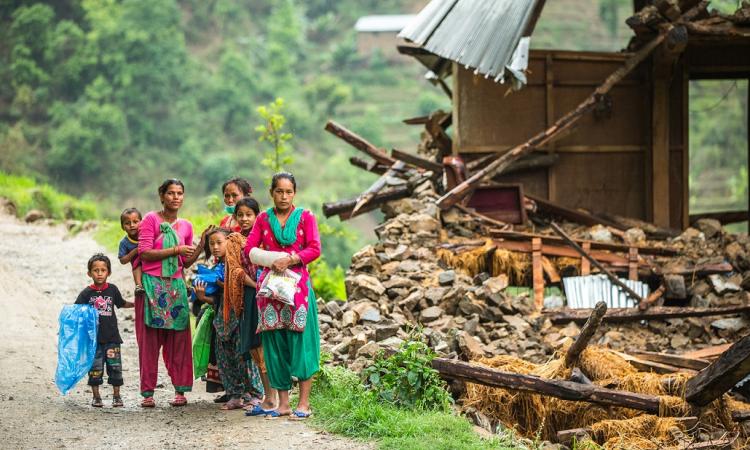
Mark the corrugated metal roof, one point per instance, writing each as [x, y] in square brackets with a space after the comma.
[479, 34]
[382, 23]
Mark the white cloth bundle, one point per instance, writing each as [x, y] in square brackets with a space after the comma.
[265, 258]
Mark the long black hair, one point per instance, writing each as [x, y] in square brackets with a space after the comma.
[241, 183]
[165, 185]
[206, 247]
[283, 176]
[247, 202]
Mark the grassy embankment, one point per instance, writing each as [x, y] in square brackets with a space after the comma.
[27, 194]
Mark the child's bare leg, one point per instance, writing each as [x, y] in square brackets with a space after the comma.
[96, 401]
[138, 278]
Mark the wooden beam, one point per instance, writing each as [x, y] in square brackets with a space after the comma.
[417, 161]
[377, 186]
[660, 146]
[572, 215]
[346, 206]
[551, 239]
[537, 273]
[719, 377]
[359, 143]
[645, 365]
[373, 167]
[673, 360]
[566, 390]
[612, 277]
[564, 123]
[619, 315]
[558, 250]
[587, 332]
[709, 353]
[725, 217]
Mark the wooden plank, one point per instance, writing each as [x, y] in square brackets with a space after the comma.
[377, 186]
[618, 315]
[719, 377]
[566, 390]
[373, 166]
[612, 277]
[537, 273]
[645, 365]
[709, 353]
[550, 270]
[551, 239]
[359, 143]
[672, 360]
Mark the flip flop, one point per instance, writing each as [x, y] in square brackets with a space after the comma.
[258, 411]
[148, 402]
[117, 402]
[299, 415]
[179, 400]
[274, 414]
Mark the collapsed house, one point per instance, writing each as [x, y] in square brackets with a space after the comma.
[533, 223]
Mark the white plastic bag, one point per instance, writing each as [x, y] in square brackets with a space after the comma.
[280, 286]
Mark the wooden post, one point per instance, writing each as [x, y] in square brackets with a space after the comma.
[566, 390]
[716, 379]
[585, 264]
[587, 332]
[660, 140]
[537, 272]
[633, 264]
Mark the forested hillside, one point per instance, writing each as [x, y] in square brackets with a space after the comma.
[103, 98]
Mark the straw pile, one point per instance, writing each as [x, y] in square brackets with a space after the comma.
[534, 414]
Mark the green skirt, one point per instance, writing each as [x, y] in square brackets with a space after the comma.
[249, 338]
[293, 354]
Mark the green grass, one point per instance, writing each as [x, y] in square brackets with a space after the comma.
[343, 406]
[28, 194]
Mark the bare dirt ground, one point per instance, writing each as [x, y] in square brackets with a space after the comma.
[40, 270]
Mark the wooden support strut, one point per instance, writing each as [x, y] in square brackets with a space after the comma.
[346, 206]
[537, 272]
[621, 315]
[377, 186]
[359, 143]
[501, 162]
[612, 277]
[716, 379]
[587, 332]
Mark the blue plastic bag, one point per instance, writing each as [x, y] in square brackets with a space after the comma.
[209, 276]
[76, 344]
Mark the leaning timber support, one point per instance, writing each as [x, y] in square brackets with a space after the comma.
[359, 143]
[721, 375]
[587, 332]
[377, 186]
[612, 277]
[621, 315]
[566, 390]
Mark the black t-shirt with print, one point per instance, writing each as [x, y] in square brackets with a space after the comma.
[104, 299]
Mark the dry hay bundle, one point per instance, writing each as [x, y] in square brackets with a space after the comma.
[642, 432]
[490, 259]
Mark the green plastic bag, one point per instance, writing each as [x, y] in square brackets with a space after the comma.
[202, 342]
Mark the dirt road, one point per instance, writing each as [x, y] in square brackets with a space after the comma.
[40, 270]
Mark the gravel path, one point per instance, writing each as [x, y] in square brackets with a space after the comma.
[40, 270]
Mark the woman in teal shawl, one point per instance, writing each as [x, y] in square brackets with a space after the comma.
[291, 339]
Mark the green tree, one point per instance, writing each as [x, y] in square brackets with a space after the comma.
[272, 132]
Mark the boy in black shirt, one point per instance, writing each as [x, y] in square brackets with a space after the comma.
[104, 297]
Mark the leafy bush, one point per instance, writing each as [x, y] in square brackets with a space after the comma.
[407, 378]
[328, 282]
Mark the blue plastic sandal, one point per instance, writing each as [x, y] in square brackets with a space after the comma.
[272, 414]
[258, 411]
[299, 415]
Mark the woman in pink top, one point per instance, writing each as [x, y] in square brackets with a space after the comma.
[291, 339]
[162, 314]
